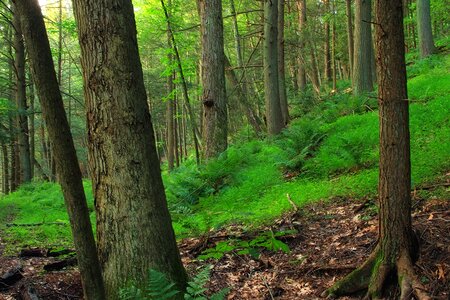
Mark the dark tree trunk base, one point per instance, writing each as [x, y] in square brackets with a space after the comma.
[374, 275]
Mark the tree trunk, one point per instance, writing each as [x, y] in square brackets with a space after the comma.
[32, 124]
[350, 43]
[271, 83]
[21, 102]
[134, 230]
[327, 52]
[362, 70]
[6, 189]
[397, 245]
[281, 64]
[62, 145]
[301, 4]
[426, 44]
[333, 46]
[170, 106]
[215, 123]
[195, 132]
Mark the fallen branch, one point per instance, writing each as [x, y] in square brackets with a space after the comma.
[35, 224]
[61, 264]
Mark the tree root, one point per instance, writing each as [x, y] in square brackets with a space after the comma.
[354, 282]
[373, 276]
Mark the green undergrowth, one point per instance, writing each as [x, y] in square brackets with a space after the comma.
[330, 150]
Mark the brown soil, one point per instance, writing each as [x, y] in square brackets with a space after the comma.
[332, 239]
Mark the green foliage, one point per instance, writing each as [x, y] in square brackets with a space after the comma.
[266, 240]
[160, 288]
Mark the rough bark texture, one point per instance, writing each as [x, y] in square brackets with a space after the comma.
[5, 176]
[21, 102]
[397, 250]
[348, 9]
[281, 64]
[215, 123]
[426, 44]
[134, 230]
[301, 5]
[362, 66]
[271, 84]
[62, 145]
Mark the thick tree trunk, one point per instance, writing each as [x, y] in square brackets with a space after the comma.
[215, 119]
[362, 65]
[281, 64]
[62, 145]
[274, 115]
[301, 5]
[350, 43]
[426, 44]
[21, 102]
[134, 230]
[397, 245]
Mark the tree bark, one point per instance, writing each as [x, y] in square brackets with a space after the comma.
[426, 44]
[134, 230]
[62, 145]
[21, 102]
[327, 52]
[271, 83]
[281, 64]
[6, 189]
[170, 136]
[301, 4]
[397, 247]
[215, 119]
[350, 43]
[362, 65]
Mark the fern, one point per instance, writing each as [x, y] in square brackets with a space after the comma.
[160, 288]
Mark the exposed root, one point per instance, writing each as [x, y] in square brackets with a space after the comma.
[356, 281]
[374, 275]
[378, 280]
[409, 283]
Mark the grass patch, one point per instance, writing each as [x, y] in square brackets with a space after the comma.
[331, 148]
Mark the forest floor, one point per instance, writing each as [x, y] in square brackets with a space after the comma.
[329, 240]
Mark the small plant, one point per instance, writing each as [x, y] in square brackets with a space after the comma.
[266, 240]
[160, 288]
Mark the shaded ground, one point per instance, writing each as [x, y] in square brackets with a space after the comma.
[332, 239]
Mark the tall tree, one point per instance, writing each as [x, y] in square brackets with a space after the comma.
[362, 65]
[426, 44]
[301, 5]
[134, 230]
[350, 43]
[327, 51]
[215, 119]
[21, 102]
[281, 64]
[62, 146]
[170, 105]
[274, 115]
[396, 250]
